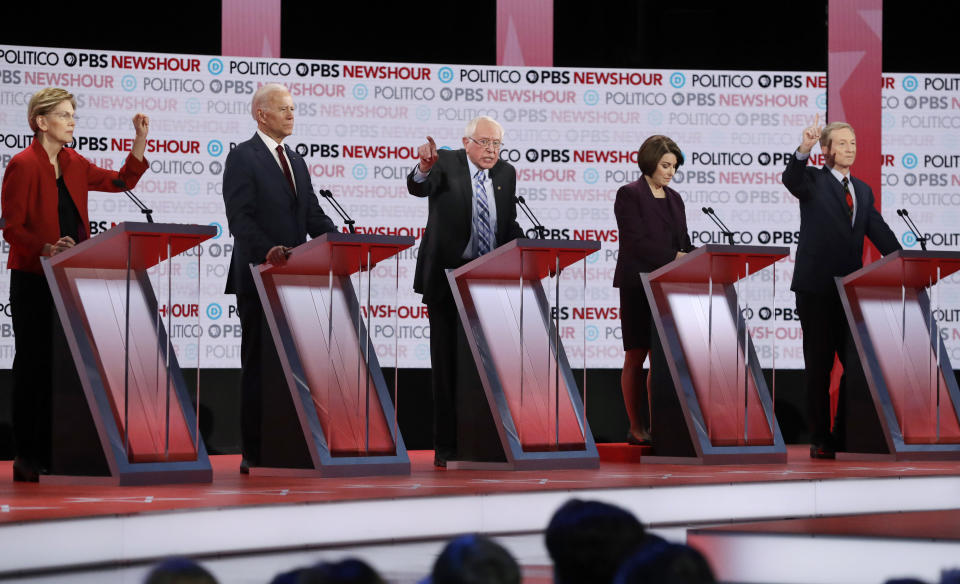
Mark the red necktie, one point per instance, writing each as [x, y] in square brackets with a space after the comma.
[849, 198]
[286, 169]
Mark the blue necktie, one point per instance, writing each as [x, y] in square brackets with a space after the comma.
[481, 220]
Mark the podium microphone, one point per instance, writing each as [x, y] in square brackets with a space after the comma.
[709, 212]
[905, 215]
[120, 184]
[537, 226]
[339, 209]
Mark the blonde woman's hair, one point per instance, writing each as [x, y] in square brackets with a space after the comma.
[44, 101]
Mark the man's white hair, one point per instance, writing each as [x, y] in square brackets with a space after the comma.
[472, 126]
[262, 95]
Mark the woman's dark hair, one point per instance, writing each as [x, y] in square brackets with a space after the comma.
[653, 149]
[349, 571]
[475, 559]
[179, 571]
[665, 563]
[587, 540]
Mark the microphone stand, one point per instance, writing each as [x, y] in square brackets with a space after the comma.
[905, 215]
[708, 211]
[120, 184]
[339, 209]
[537, 226]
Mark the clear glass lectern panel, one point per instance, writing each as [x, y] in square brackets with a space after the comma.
[519, 326]
[381, 323]
[713, 334]
[129, 337]
[576, 323]
[584, 321]
[177, 282]
[900, 331]
[329, 333]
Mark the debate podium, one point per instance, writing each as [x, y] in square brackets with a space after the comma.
[518, 405]
[709, 399]
[121, 410]
[901, 396]
[327, 412]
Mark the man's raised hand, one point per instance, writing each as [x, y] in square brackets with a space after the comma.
[428, 155]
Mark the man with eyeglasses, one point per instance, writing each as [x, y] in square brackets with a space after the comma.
[471, 212]
[271, 208]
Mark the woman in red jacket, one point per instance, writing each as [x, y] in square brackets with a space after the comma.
[44, 199]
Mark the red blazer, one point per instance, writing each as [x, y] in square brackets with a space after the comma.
[651, 233]
[29, 198]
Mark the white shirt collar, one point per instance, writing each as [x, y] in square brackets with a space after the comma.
[270, 142]
[474, 168]
[839, 175]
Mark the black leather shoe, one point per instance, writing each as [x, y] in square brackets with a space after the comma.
[244, 466]
[439, 461]
[24, 472]
[822, 452]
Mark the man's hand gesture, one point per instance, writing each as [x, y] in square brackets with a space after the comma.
[811, 135]
[428, 155]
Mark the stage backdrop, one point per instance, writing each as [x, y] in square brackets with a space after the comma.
[571, 133]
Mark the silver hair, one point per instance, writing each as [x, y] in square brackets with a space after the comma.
[262, 94]
[472, 126]
[832, 127]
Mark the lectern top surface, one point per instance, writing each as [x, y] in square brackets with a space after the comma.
[345, 253]
[909, 267]
[534, 258]
[144, 244]
[721, 263]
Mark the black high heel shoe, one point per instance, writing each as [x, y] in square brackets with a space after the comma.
[645, 440]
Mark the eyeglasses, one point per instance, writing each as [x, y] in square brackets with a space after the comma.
[486, 143]
[65, 116]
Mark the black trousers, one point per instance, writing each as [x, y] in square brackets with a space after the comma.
[33, 312]
[443, 361]
[270, 432]
[255, 345]
[825, 333]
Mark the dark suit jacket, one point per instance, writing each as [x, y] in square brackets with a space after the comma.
[262, 211]
[449, 222]
[651, 233]
[828, 246]
[30, 198]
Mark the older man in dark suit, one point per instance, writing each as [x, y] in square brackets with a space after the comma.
[836, 212]
[471, 212]
[271, 208]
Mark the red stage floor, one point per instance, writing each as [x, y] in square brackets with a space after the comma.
[31, 502]
[237, 514]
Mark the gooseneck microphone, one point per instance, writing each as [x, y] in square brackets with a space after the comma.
[339, 209]
[540, 229]
[120, 184]
[905, 215]
[709, 212]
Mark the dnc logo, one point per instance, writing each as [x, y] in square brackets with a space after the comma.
[215, 66]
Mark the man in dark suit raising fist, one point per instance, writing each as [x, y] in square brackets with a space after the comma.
[836, 212]
[471, 212]
[271, 208]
